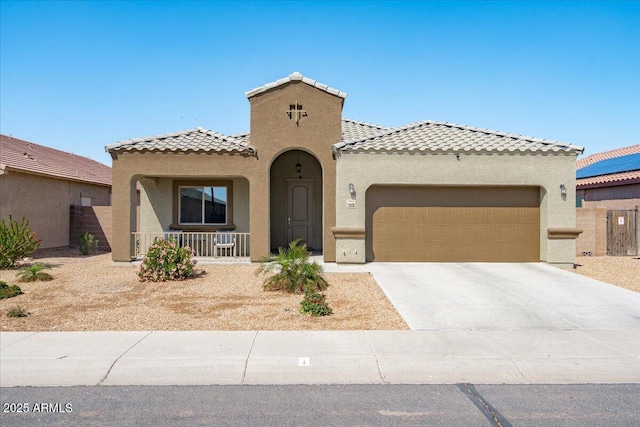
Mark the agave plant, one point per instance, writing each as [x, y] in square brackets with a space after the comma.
[291, 270]
[34, 273]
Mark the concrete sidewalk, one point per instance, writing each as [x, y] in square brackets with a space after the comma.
[344, 357]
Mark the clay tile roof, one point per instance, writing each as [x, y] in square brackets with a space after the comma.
[19, 155]
[618, 152]
[296, 76]
[628, 176]
[430, 136]
[354, 130]
[351, 129]
[192, 140]
[621, 178]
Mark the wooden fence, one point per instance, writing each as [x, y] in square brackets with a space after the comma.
[622, 232]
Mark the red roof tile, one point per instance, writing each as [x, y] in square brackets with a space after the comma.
[621, 178]
[33, 158]
[586, 161]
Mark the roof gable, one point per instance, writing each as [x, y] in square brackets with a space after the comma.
[431, 136]
[28, 157]
[295, 77]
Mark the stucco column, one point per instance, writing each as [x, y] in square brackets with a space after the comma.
[124, 216]
[259, 217]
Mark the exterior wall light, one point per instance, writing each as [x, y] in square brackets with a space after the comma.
[563, 191]
[352, 191]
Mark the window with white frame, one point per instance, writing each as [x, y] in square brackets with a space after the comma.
[203, 205]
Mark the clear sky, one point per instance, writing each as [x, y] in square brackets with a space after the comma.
[79, 75]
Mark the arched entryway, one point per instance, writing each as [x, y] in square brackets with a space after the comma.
[296, 200]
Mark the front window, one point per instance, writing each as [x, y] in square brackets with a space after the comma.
[203, 205]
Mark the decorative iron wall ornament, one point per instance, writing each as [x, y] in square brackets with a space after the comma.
[295, 112]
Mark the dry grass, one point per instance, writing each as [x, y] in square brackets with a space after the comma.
[91, 294]
[619, 271]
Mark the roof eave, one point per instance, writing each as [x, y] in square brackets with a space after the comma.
[6, 169]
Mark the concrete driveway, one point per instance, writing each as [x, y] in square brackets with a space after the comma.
[501, 296]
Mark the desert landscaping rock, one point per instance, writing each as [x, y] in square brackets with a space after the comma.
[91, 294]
[619, 271]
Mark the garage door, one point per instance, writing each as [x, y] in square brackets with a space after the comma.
[446, 224]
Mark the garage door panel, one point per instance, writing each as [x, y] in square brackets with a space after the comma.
[405, 224]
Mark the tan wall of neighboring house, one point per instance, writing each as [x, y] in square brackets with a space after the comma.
[45, 201]
[593, 223]
[614, 197]
[272, 133]
[545, 171]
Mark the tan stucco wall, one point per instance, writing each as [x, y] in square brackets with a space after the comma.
[272, 133]
[545, 171]
[46, 202]
[156, 204]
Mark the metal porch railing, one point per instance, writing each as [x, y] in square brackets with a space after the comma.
[218, 244]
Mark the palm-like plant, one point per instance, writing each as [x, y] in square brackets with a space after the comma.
[291, 270]
[34, 273]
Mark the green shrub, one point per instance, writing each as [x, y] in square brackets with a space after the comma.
[34, 273]
[7, 291]
[165, 260]
[88, 242]
[17, 241]
[17, 311]
[292, 271]
[315, 304]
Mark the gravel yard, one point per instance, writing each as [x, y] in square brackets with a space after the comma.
[91, 294]
[619, 271]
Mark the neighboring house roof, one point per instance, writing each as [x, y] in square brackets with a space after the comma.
[192, 140]
[442, 136]
[622, 178]
[615, 167]
[23, 156]
[586, 161]
[296, 76]
[627, 163]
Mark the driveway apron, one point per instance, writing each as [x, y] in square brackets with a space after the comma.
[504, 296]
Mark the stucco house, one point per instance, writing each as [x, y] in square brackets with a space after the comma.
[42, 183]
[354, 191]
[610, 179]
[607, 198]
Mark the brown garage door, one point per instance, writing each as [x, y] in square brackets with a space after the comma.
[440, 224]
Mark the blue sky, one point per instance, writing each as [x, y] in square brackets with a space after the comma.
[79, 75]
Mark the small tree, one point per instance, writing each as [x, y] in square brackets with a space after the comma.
[17, 241]
[292, 271]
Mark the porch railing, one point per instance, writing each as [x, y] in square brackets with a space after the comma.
[210, 244]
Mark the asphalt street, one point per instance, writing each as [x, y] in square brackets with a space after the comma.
[324, 405]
